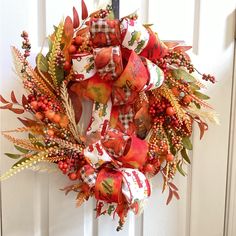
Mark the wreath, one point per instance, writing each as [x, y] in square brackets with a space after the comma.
[111, 105]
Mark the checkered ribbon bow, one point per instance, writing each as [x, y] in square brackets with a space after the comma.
[101, 26]
[88, 178]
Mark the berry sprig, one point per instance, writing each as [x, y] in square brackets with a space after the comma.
[26, 46]
[209, 77]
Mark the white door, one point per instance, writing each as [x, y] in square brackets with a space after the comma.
[31, 202]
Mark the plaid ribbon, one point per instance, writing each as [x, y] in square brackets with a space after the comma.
[125, 119]
[111, 66]
[89, 179]
[101, 26]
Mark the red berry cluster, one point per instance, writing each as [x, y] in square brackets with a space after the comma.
[209, 78]
[60, 59]
[103, 13]
[175, 58]
[68, 167]
[42, 103]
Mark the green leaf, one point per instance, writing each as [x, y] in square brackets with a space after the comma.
[60, 74]
[197, 105]
[42, 62]
[187, 143]
[194, 87]
[201, 95]
[20, 149]
[183, 74]
[13, 156]
[20, 161]
[185, 155]
[31, 136]
[180, 168]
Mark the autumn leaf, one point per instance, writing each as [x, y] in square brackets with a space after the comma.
[3, 100]
[173, 186]
[187, 143]
[84, 10]
[8, 106]
[185, 155]
[176, 195]
[201, 95]
[13, 156]
[17, 110]
[68, 27]
[182, 48]
[170, 196]
[13, 97]
[76, 20]
[24, 101]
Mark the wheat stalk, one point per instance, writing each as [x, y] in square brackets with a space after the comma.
[53, 54]
[70, 113]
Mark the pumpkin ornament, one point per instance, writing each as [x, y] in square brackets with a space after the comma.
[111, 105]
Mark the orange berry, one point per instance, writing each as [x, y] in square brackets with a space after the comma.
[34, 105]
[72, 49]
[187, 99]
[56, 118]
[169, 157]
[64, 122]
[50, 114]
[50, 132]
[39, 115]
[175, 91]
[73, 176]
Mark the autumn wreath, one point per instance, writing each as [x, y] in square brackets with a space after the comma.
[111, 105]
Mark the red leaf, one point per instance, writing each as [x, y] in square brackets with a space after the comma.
[24, 101]
[17, 110]
[8, 106]
[170, 196]
[173, 186]
[75, 18]
[84, 10]
[3, 100]
[13, 97]
[176, 195]
[182, 48]
[68, 28]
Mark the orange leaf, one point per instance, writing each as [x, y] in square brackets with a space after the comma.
[13, 97]
[84, 10]
[76, 21]
[68, 28]
[3, 100]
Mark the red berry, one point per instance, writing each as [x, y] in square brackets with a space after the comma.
[73, 176]
[149, 168]
[67, 65]
[65, 165]
[170, 111]
[72, 49]
[78, 40]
